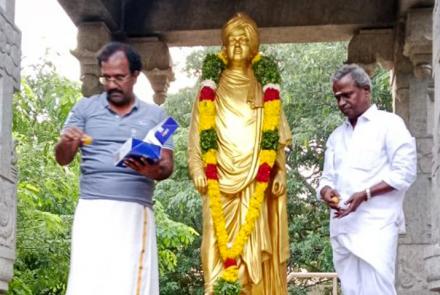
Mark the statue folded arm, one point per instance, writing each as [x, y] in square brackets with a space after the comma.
[195, 162]
[280, 183]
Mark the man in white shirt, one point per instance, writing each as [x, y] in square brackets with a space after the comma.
[370, 162]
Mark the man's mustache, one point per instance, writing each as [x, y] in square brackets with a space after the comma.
[110, 92]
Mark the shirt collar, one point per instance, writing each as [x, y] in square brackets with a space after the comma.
[105, 104]
[103, 99]
[368, 115]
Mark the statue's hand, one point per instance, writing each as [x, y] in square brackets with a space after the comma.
[201, 183]
[279, 184]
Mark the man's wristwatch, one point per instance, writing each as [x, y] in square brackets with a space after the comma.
[368, 192]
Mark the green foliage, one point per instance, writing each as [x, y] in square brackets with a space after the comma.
[297, 290]
[46, 192]
[195, 60]
[212, 67]
[180, 106]
[183, 203]
[304, 288]
[173, 238]
[208, 139]
[270, 140]
[223, 287]
[266, 71]
[381, 90]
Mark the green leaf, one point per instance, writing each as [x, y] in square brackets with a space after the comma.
[223, 287]
[212, 67]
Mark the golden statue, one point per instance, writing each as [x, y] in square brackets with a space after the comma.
[241, 180]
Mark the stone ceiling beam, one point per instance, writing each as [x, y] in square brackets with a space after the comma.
[196, 22]
[303, 34]
[106, 11]
[157, 16]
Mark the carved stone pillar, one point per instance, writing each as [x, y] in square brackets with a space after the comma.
[157, 64]
[91, 37]
[10, 52]
[432, 256]
[412, 91]
[371, 47]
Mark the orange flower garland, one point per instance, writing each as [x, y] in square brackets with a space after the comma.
[230, 251]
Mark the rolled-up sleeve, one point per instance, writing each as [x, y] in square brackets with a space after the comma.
[401, 152]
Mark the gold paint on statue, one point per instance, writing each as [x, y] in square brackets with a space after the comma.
[239, 102]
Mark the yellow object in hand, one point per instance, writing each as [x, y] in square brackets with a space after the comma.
[86, 140]
[335, 200]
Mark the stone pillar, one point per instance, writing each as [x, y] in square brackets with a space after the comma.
[91, 37]
[369, 48]
[412, 92]
[10, 53]
[432, 256]
[157, 65]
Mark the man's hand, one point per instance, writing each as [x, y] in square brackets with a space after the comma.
[353, 203]
[279, 184]
[155, 170]
[201, 183]
[68, 144]
[72, 135]
[331, 197]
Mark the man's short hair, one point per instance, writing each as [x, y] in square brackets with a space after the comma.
[134, 59]
[357, 73]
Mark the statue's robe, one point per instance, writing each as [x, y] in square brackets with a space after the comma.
[239, 121]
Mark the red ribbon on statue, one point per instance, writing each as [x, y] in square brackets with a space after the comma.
[263, 173]
[271, 94]
[229, 262]
[207, 93]
[211, 171]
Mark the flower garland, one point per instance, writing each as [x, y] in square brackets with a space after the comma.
[267, 74]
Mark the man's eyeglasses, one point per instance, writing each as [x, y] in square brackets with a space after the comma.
[118, 79]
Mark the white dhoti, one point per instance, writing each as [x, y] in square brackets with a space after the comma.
[365, 262]
[114, 249]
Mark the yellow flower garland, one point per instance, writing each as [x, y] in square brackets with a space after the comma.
[271, 119]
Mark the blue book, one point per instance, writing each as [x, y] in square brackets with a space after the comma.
[150, 147]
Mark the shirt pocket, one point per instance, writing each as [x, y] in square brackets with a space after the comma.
[365, 159]
[139, 128]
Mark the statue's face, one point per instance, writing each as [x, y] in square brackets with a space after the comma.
[237, 48]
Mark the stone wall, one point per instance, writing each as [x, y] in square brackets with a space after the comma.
[413, 89]
[10, 53]
[432, 255]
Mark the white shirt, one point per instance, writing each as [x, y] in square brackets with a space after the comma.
[379, 148]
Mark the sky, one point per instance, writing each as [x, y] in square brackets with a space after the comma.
[48, 31]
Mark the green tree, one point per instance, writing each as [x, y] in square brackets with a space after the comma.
[182, 202]
[46, 192]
